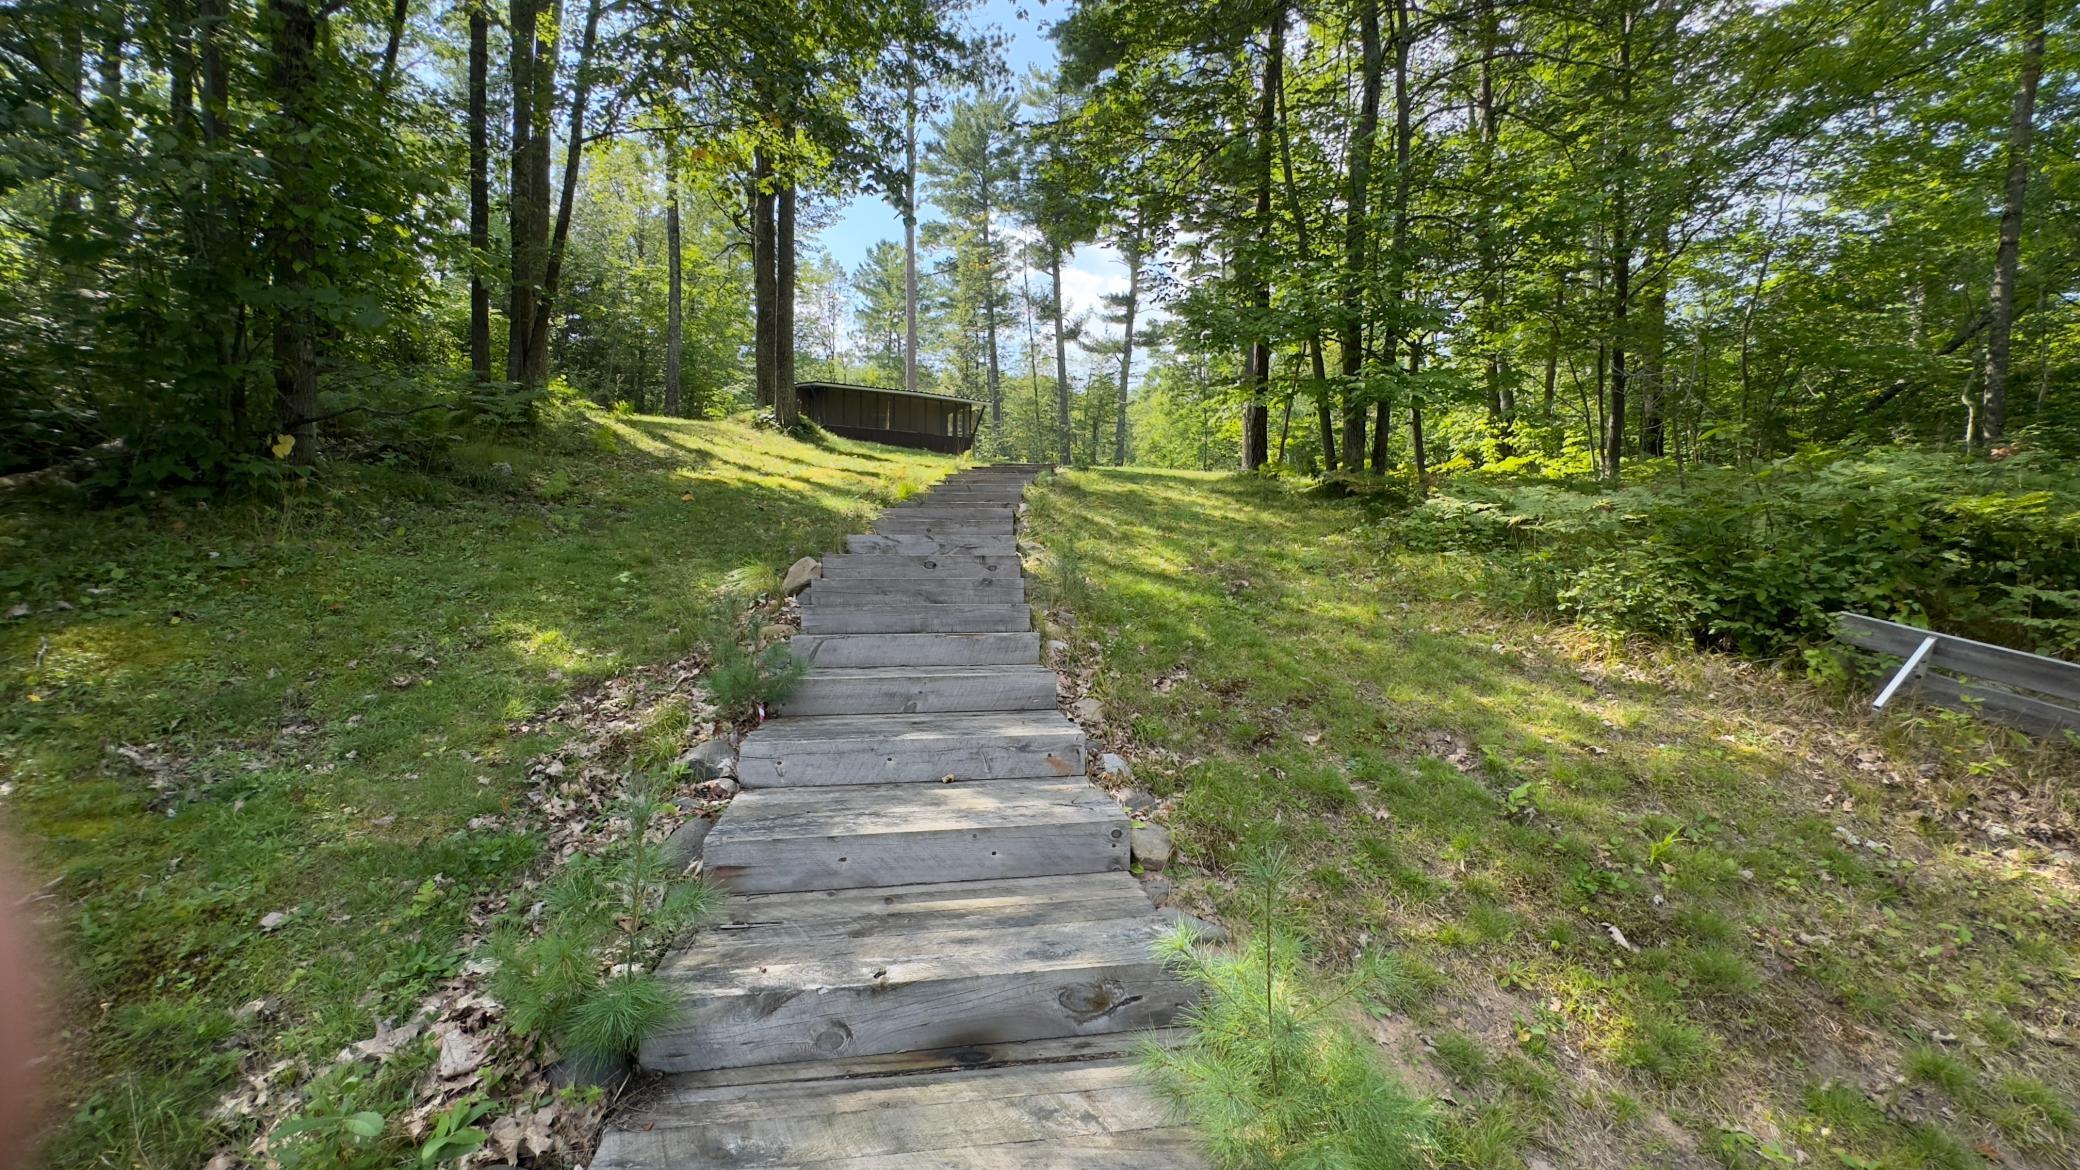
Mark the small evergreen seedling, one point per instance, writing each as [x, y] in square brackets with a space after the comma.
[1268, 1075]
[616, 911]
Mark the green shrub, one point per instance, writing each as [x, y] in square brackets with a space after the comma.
[1758, 560]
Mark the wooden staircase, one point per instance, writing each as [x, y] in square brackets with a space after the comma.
[934, 957]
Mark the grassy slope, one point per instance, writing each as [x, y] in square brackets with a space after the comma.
[325, 695]
[1489, 794]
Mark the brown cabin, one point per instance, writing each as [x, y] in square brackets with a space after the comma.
[901, 418]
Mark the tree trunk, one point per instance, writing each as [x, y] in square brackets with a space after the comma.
[1621, 262]
[1553, 343]
[1256, 438]
[479, 191]
[1653, 347]
[764, 281]
[1502, 395]
[399, 9]
[574, 150]
[1397, 261]
[1357, 234]
[1126, 353]
[1415, 424]
[785, 408]
[989, 316]
[910, 241]
[1061, 353]
[528, 245]
[675, 283]
[293, 252]
[1993, 414]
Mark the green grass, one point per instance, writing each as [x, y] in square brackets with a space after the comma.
[300, 710]
[1490, 794]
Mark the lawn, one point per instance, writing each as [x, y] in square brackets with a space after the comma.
[1652, 906]
[241, 748]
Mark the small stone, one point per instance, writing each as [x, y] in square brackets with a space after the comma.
[1202, 930]
[1088, 710]
[1114, 765]
[683, 847]
[575, 1073]
[1151, 847]
[711, 760]
[1158, 888]
[502, 468]
[1056, 648]
[799, 575]
[273, 922]
[1138, 800]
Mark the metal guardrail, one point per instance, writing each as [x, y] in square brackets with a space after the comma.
[2023, 690]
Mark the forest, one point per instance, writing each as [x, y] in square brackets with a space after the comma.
[1556, 238]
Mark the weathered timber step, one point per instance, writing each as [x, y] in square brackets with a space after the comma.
[1052, 1116]
[952, 565]
[994, 545]
[778, 839]
[944, 526]
[905, 690]
[948, 509]
[844, 1072]
[821, 650]
[882, 615]
[816, 976]
[911, 749]
[924, 590]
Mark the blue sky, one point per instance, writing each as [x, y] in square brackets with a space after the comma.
[862, 222]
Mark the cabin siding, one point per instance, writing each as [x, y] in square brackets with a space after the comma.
[927, 421]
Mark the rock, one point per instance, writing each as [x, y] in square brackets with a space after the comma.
[273, 921]
[683, 847]
[1158, 888]
[1202, 930]
[1056, 648]
[1088, 710]
[711, 760]
[502, 468]
[799, 575]
[578, 1073]
[1115, 766]
[1138, 800]
[1151, 847]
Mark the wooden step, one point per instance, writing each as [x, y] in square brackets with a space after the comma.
[778, 839]
[926, 590]
[955, 509]
[884, 565]
[1069, 1115]
[993, 545]
[911, 749]
[816, 976]
[888, 616]
[820, 650]
[905, 690]
[936, 526]
[1053, 1050]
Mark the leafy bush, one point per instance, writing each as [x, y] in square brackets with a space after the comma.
[1270, 1077]
[1759, 560]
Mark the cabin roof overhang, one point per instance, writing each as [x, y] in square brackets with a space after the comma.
[820, 385]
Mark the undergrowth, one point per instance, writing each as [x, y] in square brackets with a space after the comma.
[1757, 560]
